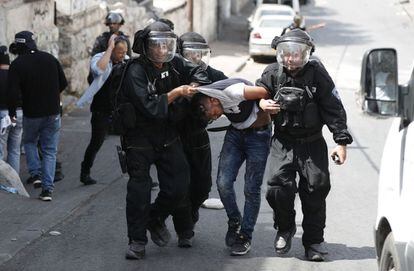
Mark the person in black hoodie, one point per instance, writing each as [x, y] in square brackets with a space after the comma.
[39, 78]
[154, 90]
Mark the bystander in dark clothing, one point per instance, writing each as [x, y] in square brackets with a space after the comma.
[39, 77]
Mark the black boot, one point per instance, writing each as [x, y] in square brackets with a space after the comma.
[85, 178]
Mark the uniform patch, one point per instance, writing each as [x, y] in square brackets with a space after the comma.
[164, 74]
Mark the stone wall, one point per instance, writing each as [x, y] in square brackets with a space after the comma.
[191, 15]
[205, 18]
[36, 16]
[237, 5]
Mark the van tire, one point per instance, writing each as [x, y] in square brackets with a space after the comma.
[389, 256]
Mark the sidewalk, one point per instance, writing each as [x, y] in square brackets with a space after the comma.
[23, 220]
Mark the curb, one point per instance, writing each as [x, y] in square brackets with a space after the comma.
[240, 66]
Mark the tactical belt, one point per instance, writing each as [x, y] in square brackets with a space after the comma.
[299, 140]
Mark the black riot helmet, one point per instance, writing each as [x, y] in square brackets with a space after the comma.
[156, 42]
[114, 18]
[293, 49]
[193, 47]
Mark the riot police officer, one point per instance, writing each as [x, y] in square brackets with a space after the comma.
[305, 99]
[154, 87]
[113, 21]
[193, 47]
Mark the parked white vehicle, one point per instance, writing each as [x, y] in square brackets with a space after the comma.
[394, 227]
[295, 4]
[270, 9]
[262, 35]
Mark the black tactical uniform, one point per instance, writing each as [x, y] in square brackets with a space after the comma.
[196, 144]
[298, 146]
[154, 139]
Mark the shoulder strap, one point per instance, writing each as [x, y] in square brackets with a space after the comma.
[121, 82]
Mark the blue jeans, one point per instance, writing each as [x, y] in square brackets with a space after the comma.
[12, 139]
[239, 146]
[43, 130]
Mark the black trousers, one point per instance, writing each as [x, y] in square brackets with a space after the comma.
[173, 176]
[100, 123]
[198, 153]
[309, 161]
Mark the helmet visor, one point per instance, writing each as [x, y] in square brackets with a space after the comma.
[161, 49]
[198, 56]
[292, 55]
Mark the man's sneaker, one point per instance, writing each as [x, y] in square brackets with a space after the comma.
[86, 179]
[135, 251]
[316, 252]
[36, 180]
[185, 242]
[159, 233]
[283, 240]
[241, 246]
[232, 232]
[46, 195]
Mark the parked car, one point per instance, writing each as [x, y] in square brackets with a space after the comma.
[262, 35]
[293, 3]
[270, 9]
[382, 95]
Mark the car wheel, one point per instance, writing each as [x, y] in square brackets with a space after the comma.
[389, 258]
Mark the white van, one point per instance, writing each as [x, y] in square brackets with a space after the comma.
[394, 227]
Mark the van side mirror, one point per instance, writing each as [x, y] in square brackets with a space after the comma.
[379, 82]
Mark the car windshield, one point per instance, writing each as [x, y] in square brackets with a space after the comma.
[265, 12]
[275, 23]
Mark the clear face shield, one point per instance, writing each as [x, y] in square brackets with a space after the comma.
[292, 55]
[197, 53]
[161, 49]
